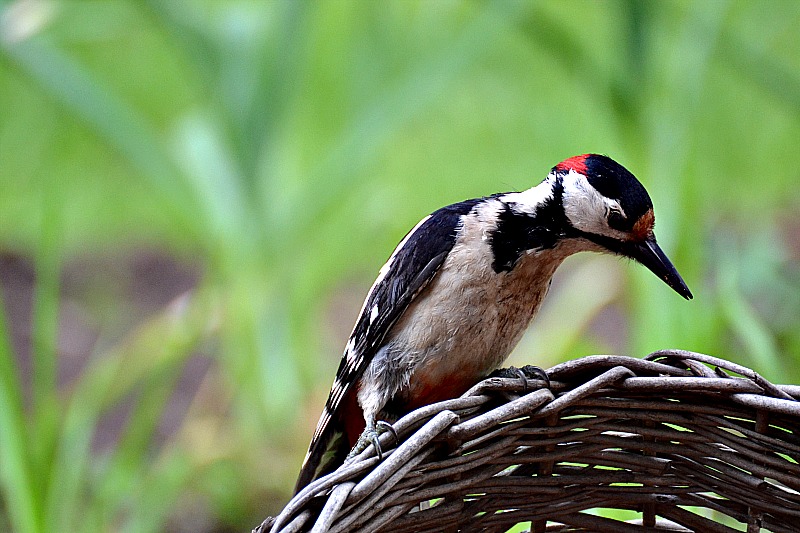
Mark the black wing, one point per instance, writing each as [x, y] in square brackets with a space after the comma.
[413, 264]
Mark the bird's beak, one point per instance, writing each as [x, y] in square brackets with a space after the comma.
[649, 254]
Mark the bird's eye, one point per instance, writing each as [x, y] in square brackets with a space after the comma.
[616, 219]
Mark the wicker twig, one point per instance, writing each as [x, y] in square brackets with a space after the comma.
[686, 441]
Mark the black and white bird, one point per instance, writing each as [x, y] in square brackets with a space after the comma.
[460, 289]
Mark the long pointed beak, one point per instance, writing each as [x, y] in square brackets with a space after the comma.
[650, 255]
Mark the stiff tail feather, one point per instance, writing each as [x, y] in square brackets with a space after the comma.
[329, 450]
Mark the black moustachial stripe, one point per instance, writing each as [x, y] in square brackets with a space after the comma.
[518, 232]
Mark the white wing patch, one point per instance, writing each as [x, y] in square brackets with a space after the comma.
[337, 393]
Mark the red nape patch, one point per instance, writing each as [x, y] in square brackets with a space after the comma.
[576, 163]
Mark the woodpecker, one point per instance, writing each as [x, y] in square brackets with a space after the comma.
[460, 289]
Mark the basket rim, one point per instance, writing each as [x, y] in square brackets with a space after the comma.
[602, 383]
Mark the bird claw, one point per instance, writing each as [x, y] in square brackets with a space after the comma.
[371, 435]
[535, 372]
[374, 438]
[382, 426]
[523, 374]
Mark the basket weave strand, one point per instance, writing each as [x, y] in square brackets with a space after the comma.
[678, 441]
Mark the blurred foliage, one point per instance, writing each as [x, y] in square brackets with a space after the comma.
[282, 148]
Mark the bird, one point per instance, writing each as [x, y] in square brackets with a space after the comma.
[460, 289]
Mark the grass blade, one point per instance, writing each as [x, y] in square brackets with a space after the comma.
[15, 471]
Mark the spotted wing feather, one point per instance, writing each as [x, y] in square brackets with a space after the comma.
[413, 264]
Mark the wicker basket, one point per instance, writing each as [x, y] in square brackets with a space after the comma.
[669, 443]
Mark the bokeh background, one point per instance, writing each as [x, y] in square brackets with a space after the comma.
[196, 195]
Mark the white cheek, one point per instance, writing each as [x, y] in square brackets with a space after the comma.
[586, 208]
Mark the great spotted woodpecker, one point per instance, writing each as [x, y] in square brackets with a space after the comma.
[459, 290]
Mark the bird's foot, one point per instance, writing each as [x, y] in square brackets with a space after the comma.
[371, 435]
[523, 374]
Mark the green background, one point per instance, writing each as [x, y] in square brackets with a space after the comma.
[196, 195]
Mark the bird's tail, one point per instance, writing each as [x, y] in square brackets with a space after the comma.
[336, 434]
[322, 460]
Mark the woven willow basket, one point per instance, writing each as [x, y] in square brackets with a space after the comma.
[673, 442]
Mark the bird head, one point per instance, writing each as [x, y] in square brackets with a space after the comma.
[606, 205]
